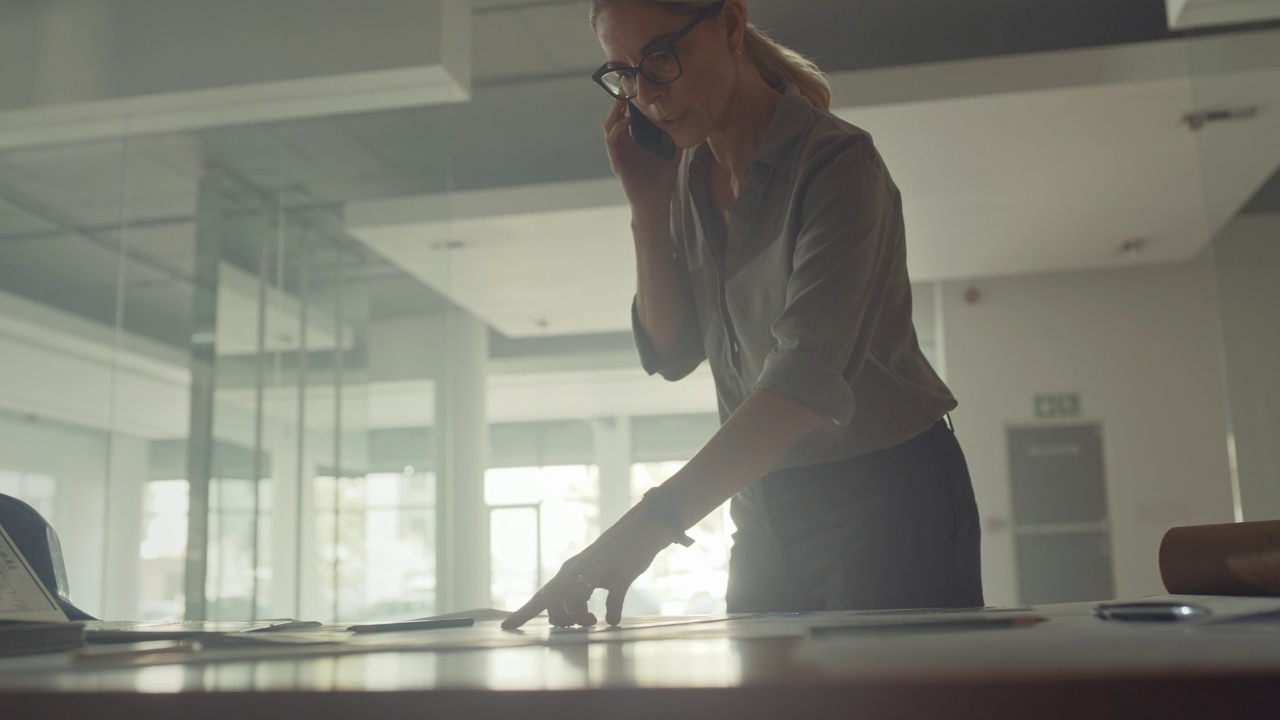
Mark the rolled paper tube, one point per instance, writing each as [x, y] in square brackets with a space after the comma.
[1230, 559]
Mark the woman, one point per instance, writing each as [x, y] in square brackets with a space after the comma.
[773, 248]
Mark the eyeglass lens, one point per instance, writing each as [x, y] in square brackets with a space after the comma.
[660, 66]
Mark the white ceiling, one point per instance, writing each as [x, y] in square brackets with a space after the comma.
[1202, 13]
[77, 70]
[527, 39]
[1011, 165]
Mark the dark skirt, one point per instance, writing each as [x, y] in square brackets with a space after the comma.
[897, 528]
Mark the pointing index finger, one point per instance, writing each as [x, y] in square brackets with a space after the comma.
[527, 612]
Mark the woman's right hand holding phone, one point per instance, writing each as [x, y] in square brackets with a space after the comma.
[648, 180]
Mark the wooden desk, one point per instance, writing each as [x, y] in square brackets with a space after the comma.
[1072, 665]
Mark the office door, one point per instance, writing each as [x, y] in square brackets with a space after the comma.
[1061, 524]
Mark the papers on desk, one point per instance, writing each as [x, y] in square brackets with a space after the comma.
[332, 640]
[30, 619]
[860, 642]
[123, 631]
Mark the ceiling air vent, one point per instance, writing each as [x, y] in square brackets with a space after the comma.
[1197, 119]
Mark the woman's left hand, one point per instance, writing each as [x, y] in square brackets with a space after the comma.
[611, 563]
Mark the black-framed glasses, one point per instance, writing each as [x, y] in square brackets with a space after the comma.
[661, 65]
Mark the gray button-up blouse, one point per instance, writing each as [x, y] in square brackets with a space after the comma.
[805, 291]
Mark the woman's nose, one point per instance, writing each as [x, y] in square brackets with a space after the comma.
[647, 91]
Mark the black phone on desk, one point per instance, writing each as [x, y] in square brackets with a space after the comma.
[649, 136]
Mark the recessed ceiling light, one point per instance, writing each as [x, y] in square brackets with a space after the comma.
[1132, 247]
[448, 244]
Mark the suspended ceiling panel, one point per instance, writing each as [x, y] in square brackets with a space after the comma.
[88, 69]
[541, 260]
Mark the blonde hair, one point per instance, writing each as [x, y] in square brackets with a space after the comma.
[777, 64]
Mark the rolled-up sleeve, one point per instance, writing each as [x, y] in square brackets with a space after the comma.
[682, 358]
[850, 237]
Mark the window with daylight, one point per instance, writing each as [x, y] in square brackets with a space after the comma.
[38, 491]
[239, 538]
[538, 518]
[376, 538]
[682, 581]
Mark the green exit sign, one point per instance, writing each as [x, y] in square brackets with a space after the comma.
[1057, 405]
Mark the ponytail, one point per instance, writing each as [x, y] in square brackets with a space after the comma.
[779, 65]
[776, 63]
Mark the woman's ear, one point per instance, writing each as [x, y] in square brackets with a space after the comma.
[734, 14]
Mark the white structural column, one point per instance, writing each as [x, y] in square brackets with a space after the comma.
[462, 455]
[613, 458]
[290, 502]
[123, 525]
[75, 70]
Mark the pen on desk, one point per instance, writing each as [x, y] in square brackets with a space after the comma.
[978, 623]
[426, 624]
[287, 625]
[782, 614]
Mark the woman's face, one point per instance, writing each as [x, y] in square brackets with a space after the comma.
[692, 106]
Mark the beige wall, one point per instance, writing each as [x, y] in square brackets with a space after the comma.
[1141, 347]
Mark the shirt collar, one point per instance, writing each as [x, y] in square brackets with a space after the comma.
[790, 123]
[786, 128]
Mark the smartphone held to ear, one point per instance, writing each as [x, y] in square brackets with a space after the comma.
[649, 136]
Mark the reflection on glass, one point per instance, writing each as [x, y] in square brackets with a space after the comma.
[38, 491]
[229, 676]
[163, 679]
[232, 585]
[191, 335]
[399, 671]
[685, 663]
[1236, 89]
[163, 550]
[232, 572]
[375, 542]
[535, 668]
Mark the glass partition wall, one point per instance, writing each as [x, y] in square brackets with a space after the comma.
[1235, 87]
[230, 408]
[190, 338]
